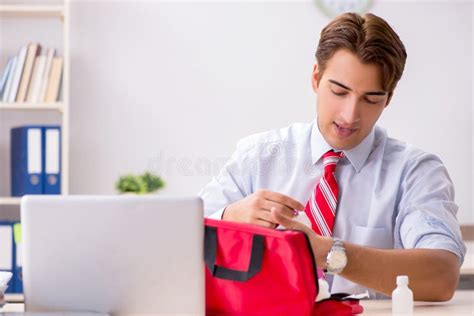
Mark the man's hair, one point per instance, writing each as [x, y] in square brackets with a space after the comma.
[371, 39]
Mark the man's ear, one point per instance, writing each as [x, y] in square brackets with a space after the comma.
[315, 76]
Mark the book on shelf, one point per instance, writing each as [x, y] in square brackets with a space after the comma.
[36, 77]
[33, 76]
[33, 51]
[9, 82]
[11, 259]
[46, 74]
[54, 81]
[17, 75]
[4, 78]
[35, 160]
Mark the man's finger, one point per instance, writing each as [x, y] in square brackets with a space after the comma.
[287, 222]
[263, 223]
[283, 199]
[266, 216]
[285, 210]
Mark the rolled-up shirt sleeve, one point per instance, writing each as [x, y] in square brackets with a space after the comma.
[230, 185]
[426, 215]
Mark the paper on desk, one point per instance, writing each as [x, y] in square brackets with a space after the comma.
[4, 278]
[360, 296]
[323, 290]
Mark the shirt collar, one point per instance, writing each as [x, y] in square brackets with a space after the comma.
[357, 156]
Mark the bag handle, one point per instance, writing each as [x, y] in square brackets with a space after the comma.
[256, 257]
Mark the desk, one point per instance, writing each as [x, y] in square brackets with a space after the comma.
[461, 305]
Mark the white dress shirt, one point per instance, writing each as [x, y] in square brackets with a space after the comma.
[391, 194]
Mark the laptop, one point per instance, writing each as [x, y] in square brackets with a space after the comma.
[113, 254]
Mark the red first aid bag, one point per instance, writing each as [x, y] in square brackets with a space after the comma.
[252, 270]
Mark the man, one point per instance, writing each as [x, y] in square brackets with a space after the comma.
[378, 207]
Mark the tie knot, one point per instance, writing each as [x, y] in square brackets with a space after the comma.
[331, 158]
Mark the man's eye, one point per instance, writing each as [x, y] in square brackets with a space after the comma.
[372, 101]
[339, 93]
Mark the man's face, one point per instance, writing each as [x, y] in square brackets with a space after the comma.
[350, 99]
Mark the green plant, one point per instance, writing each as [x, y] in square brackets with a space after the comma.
[140, 184]
[152, 183]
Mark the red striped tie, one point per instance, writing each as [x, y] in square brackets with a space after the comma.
[321, 207]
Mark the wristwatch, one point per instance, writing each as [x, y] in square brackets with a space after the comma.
[336, 260]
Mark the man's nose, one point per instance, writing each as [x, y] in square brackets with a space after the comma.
[350, 111]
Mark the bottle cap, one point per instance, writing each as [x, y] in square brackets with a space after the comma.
[402, 280]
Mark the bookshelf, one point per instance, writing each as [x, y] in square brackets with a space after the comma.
[57, 106]
[10, 200]
[57, 11]
[32, 10]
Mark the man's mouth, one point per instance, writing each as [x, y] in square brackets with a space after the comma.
[344, 131]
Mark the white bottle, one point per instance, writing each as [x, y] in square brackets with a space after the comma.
[402, 297]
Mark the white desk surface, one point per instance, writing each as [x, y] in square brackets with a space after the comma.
[461, 305]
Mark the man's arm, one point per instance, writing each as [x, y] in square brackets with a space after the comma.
[433, 273]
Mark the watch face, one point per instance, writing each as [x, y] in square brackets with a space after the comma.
[337, 260]
[333, 8]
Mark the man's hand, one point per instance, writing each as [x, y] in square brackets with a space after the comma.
[319, 244]
[255, 208]
[289, 222]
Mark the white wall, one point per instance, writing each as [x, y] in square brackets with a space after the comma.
[434, 102]
[172, 86]
[181, 83]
